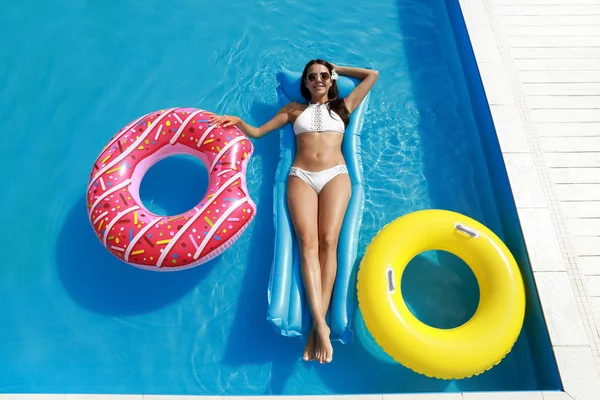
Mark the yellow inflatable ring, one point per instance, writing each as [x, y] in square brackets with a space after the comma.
[456, 353]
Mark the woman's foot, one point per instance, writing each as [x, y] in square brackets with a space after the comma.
[324, 349]
[309, 350]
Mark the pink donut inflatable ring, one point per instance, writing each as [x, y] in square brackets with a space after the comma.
[168, 243]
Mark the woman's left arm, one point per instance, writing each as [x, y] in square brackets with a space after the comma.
[368, 78]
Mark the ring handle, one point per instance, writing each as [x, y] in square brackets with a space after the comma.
[465, 229]
[389, 272]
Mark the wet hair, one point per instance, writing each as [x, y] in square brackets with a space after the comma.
[335, 103]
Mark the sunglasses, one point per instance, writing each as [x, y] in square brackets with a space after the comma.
[324, 76]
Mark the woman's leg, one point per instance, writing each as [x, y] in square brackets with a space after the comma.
[333, 202]
[303, 206]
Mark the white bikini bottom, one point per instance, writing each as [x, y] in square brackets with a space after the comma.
[318, 180]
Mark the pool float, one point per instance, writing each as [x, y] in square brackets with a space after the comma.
[288, 311]
[456, 353]
[167, 243]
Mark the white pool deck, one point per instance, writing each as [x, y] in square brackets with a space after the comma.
[540, 65]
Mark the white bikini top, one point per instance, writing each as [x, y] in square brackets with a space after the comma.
[316, 118]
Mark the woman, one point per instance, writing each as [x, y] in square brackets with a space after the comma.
[319, 188]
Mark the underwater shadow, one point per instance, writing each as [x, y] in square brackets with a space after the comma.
[102, 283]
[429, 303]
[252, 340]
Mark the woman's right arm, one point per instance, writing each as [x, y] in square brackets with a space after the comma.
[280, 119]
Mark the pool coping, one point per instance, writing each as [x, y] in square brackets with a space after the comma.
[556, 272]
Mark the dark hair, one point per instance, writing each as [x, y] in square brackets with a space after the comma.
[335, 103]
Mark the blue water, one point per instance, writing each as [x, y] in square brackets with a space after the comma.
[75, 319]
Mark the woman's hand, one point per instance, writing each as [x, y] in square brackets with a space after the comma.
[281, 118]
[225, 120]
[368, 78]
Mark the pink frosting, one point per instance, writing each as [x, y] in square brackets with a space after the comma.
[135, 235]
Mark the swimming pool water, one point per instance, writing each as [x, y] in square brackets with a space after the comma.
[75, 319]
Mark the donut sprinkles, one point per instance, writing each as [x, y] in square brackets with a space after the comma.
[140, 238]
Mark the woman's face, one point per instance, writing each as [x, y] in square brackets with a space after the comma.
[318, 80]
